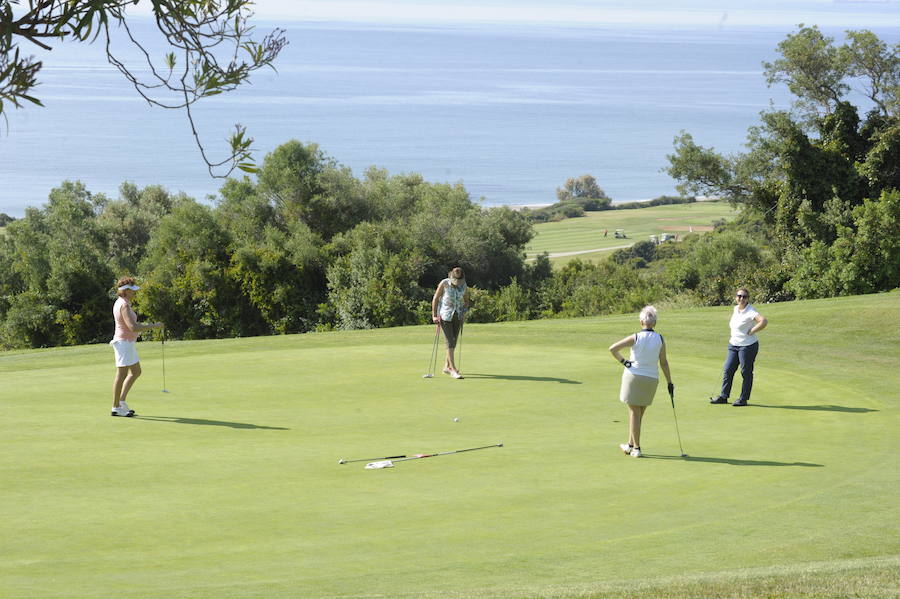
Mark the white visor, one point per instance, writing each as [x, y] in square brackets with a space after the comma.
[132, 287]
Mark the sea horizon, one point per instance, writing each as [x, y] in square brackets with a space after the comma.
[510, 111]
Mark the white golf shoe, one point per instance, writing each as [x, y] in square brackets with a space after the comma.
[626, 448]
[636, 452]
[122, 410]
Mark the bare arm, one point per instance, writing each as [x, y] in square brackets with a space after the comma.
[619, 345]
[132, 324]
[434, 302]
[761, 323]
[664, 363]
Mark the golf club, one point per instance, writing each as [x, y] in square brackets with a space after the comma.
[387, 462]
[672, 397]
[390, 457]
[459, 342]
[432, 363]
[163, 339]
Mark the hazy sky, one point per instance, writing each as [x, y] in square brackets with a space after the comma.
[826, 13]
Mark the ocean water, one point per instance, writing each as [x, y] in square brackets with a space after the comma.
[509, 111]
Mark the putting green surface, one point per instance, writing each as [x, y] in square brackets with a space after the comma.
[229, 485]
[583, 237]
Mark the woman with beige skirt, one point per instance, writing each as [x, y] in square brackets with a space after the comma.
[641, 376]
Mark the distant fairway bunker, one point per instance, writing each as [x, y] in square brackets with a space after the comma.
[203, 499]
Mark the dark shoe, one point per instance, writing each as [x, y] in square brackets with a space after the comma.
[739, 403]
[718, 399]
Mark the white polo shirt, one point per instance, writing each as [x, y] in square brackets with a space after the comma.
[741, 322]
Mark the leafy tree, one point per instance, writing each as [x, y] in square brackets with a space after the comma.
[878, 66]
[185, 278]
[374, 284]
[302, 182]
[865, 257]
[212, 52]
[814, 70]
[715, 265]
[817, 183]
[57, 265]
[129, 223]
[585, 191]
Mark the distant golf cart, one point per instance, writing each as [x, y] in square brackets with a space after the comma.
[662, 238]
[620, 234]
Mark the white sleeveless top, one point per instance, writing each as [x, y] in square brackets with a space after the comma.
[645, 354]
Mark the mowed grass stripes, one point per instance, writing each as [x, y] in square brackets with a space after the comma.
[576, 236]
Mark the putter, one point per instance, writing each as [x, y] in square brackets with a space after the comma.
[388, 462]
[672, 397]
[432, 363]
[459, 341]
[163, 339]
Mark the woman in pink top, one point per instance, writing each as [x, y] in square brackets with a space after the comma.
[128, 366]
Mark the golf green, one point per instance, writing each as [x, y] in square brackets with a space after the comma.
[229, 484]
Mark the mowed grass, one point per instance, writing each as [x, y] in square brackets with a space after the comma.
[584, 235]
[229, 485]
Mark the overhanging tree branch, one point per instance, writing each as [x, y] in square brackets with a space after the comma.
[213, 52]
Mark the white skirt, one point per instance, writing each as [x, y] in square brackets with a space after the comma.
[126, 352]
[637, 390]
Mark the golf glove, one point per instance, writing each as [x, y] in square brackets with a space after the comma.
[671, 388]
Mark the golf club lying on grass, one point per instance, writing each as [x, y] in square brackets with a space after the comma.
[388, 462]
[432, 363]
[672, 397]
[390, 457]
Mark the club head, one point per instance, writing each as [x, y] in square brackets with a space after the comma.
[427, 376]
[165, 390]
[341, 461]
[684, 455]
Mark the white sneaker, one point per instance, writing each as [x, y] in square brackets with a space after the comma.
[446, 371]
[455, 374]
[635, 453]
[120, 411]
[626, 448]
[125, 407]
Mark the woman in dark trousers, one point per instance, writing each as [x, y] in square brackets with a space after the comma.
[743, 346]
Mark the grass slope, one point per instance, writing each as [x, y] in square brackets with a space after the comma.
[586, 233]
[229, 486]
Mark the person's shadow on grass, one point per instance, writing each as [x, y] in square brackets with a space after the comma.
[515, 377]
[731, 461]
[820, 408]
[203, 422]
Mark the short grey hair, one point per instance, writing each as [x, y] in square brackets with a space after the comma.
[648, 315]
